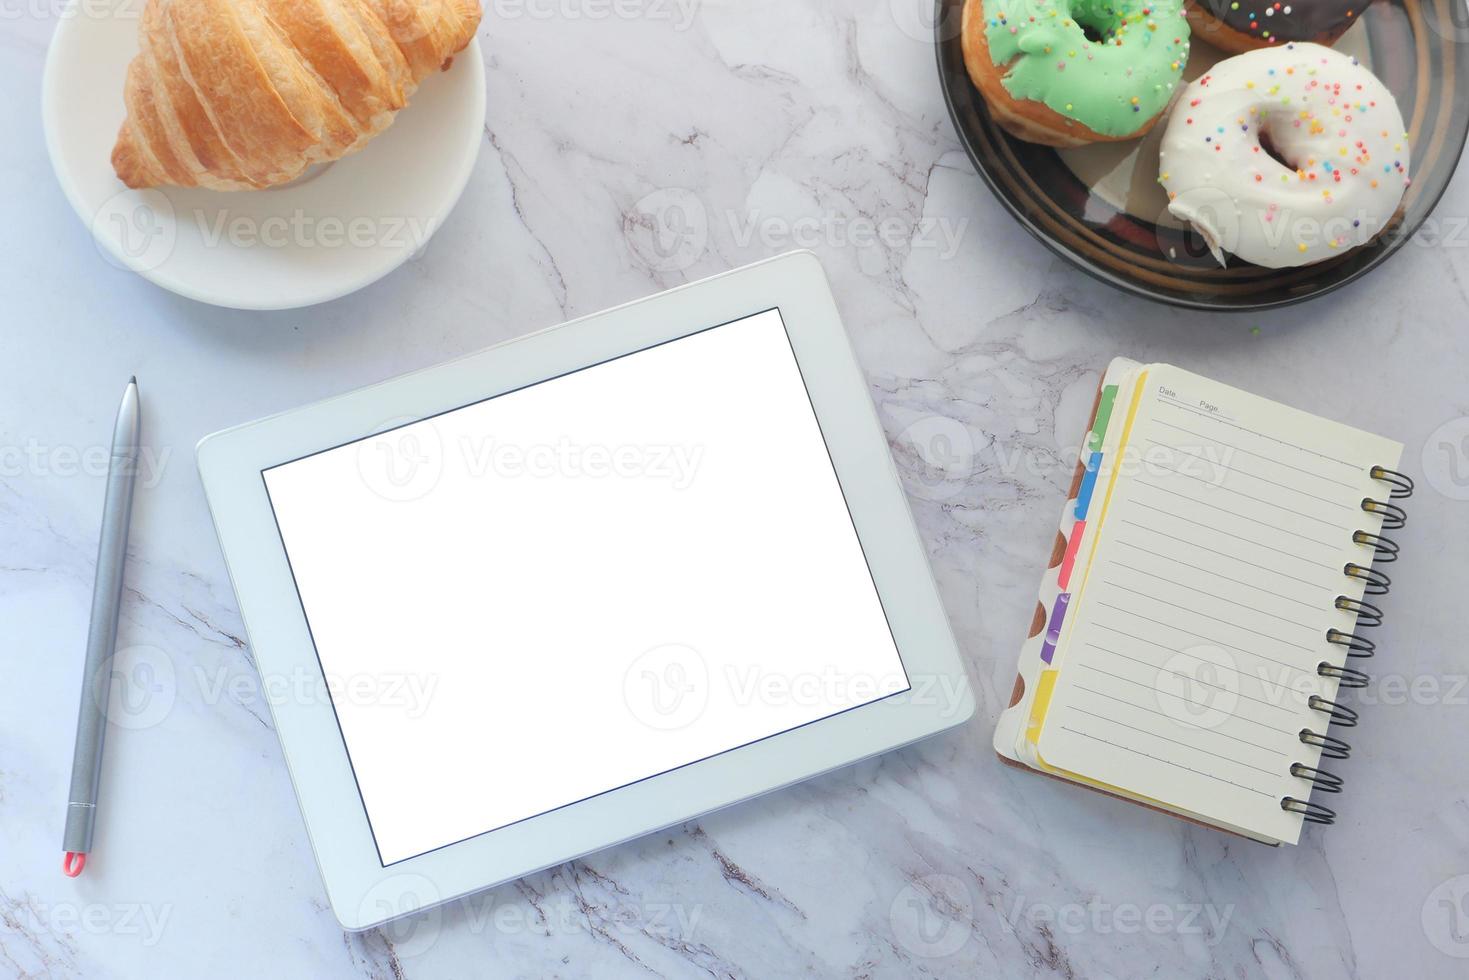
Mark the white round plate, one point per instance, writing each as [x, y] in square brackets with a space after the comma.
[330, 233]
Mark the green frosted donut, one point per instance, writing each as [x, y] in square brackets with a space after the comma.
[1111, 65]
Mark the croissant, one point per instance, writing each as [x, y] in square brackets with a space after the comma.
[245, 94]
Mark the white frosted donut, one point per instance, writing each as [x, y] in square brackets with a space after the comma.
[1329, 175]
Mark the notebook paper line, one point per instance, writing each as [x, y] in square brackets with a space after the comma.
[1311, 452]
[1216, 619]
[1164, 646]
[1170, 694]
[1234, 513]
[1205, 731]
[1200, 636]
[1177, 402]
[1187, 745]
[1211, 595]
[1209, 571]
[1247, 452]
[1188, 677]
[1230, 534]
[1258, 500]
[1173, 569]
[1254, 476]
[1166, 762]
[1226, 554]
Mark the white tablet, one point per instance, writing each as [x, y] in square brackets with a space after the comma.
[580, 587]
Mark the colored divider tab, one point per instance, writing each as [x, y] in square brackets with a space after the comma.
[1069, 562]
[1053, 631]
[1088, 486]
[1040, 705]
[1095, 438]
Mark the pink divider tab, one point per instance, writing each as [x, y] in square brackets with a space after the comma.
[1053, 631]
[1069, 562]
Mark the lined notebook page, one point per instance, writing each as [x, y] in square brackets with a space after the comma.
[1203, 614]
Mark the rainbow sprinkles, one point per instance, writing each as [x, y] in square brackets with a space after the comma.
[1112, 66]
[1285, 156]
[1245, 25]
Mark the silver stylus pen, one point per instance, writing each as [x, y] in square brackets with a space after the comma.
[86, 763]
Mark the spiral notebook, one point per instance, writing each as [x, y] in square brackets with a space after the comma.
[1209, 599]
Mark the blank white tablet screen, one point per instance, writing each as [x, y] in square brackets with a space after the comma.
[541, 597]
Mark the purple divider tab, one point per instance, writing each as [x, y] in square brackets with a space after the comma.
[1053, 631]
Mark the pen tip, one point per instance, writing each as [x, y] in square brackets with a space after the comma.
[133, 380]
[72, 864]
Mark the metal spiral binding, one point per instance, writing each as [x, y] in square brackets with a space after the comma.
[1347, 677]
[1331, 747]
[1384, 550]
[1310, 812]
[1357, 646]
[1339, 714]
[1377, 583]
[1393, 516]
[1367, 616]
[1326, 782]
[1401, 483]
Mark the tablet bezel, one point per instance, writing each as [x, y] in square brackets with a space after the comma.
[362, 892]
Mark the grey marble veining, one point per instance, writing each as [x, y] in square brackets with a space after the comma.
[625, 152]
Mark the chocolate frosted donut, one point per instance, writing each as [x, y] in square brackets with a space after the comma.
[1238, 26]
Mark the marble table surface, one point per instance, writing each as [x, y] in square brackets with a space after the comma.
[775, 124]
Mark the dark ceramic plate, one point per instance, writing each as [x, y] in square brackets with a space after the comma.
[1101, 208]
